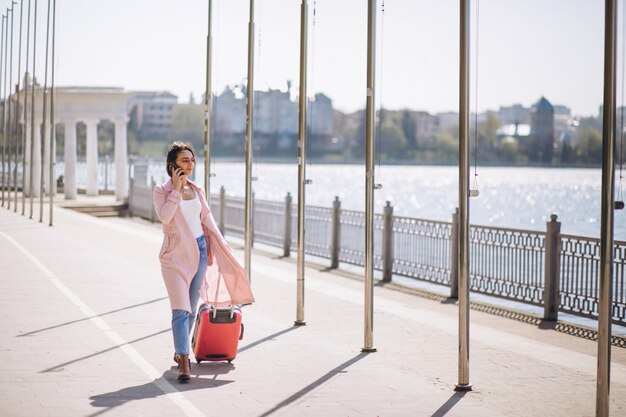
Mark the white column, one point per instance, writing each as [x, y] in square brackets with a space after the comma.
[121, 159]
[92, 156]
[37, 159]
[69, 158]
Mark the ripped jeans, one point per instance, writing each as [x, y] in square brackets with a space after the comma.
[183, 321]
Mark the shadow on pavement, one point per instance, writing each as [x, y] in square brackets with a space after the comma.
[315, 384]
[59, 366]
[110, 400]
[447, 406]
[267, 338]
[89, 318]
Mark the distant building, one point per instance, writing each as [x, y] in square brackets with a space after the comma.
[515, 114]
[229, 113]
[519, 133]
[152, 112]
[448, 120]
[275, 122]
[542, 132]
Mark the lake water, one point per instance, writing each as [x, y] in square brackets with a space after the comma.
[520, 198]
[513, 197]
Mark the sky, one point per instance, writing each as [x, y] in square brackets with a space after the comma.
[522, 50]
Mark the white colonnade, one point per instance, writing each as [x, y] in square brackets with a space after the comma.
[73, 105]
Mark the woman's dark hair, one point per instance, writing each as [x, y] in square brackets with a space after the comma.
[173, 152]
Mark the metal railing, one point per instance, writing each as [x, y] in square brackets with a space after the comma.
[549, 269]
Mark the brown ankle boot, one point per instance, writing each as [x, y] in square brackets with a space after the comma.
[184, 368]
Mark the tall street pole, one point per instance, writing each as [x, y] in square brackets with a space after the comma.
[463, 381]
[10, 106]
[19, 139]
[52, 122]
[607, 205]
[4, 102]
[302, 101]
[43, 123]
[370, 119]
[207, 106]
[32, 113]
[28, 144]
[249, 118]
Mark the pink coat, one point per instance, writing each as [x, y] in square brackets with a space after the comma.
[225, 281]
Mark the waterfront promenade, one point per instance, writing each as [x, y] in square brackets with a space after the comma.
[85, 332]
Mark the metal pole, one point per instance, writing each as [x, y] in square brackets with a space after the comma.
[207, 104]
[32, 111]
[4, 103]
[52, 124]
[9, 91]
[304, 24]
[370, 110]
[43, 122]
[249, 118]
[17, 112]
[25, 129]
[463, 384]
[606, 220]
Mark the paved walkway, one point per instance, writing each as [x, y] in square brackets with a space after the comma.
[85, 332]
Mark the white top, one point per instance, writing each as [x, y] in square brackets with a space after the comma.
[191, 211]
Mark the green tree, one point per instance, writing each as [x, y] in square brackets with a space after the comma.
[510, 151]
[447, 146]
[188, 123]
[393, 143]
[589, 146]
[407, 124]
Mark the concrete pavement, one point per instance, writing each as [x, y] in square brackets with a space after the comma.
[86, 332]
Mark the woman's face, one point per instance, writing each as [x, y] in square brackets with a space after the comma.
[186, 161]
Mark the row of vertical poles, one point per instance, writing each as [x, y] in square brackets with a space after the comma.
[6, 126]
[14, 138]
[607, 207]
[302, 108]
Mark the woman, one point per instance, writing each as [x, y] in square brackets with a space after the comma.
[194, 252]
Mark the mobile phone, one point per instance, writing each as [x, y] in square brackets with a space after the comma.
[173, 168]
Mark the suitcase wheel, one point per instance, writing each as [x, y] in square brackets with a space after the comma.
[241, 332]
[198, 360]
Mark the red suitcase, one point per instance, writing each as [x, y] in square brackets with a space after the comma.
[217, 333]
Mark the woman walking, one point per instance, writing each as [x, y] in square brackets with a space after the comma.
[194, 254]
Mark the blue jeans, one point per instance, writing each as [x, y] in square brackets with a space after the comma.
[182, 320]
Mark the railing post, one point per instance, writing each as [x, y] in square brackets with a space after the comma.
[387, 251]
[287, 236]
[152, 209]
[130, 196]
[222, 210]
[552, 269]
[252, 210]
[454, 256]
[335, 233]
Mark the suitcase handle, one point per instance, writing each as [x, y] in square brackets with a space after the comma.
[241, 332]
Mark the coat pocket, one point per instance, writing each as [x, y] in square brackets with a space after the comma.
[167, 246]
